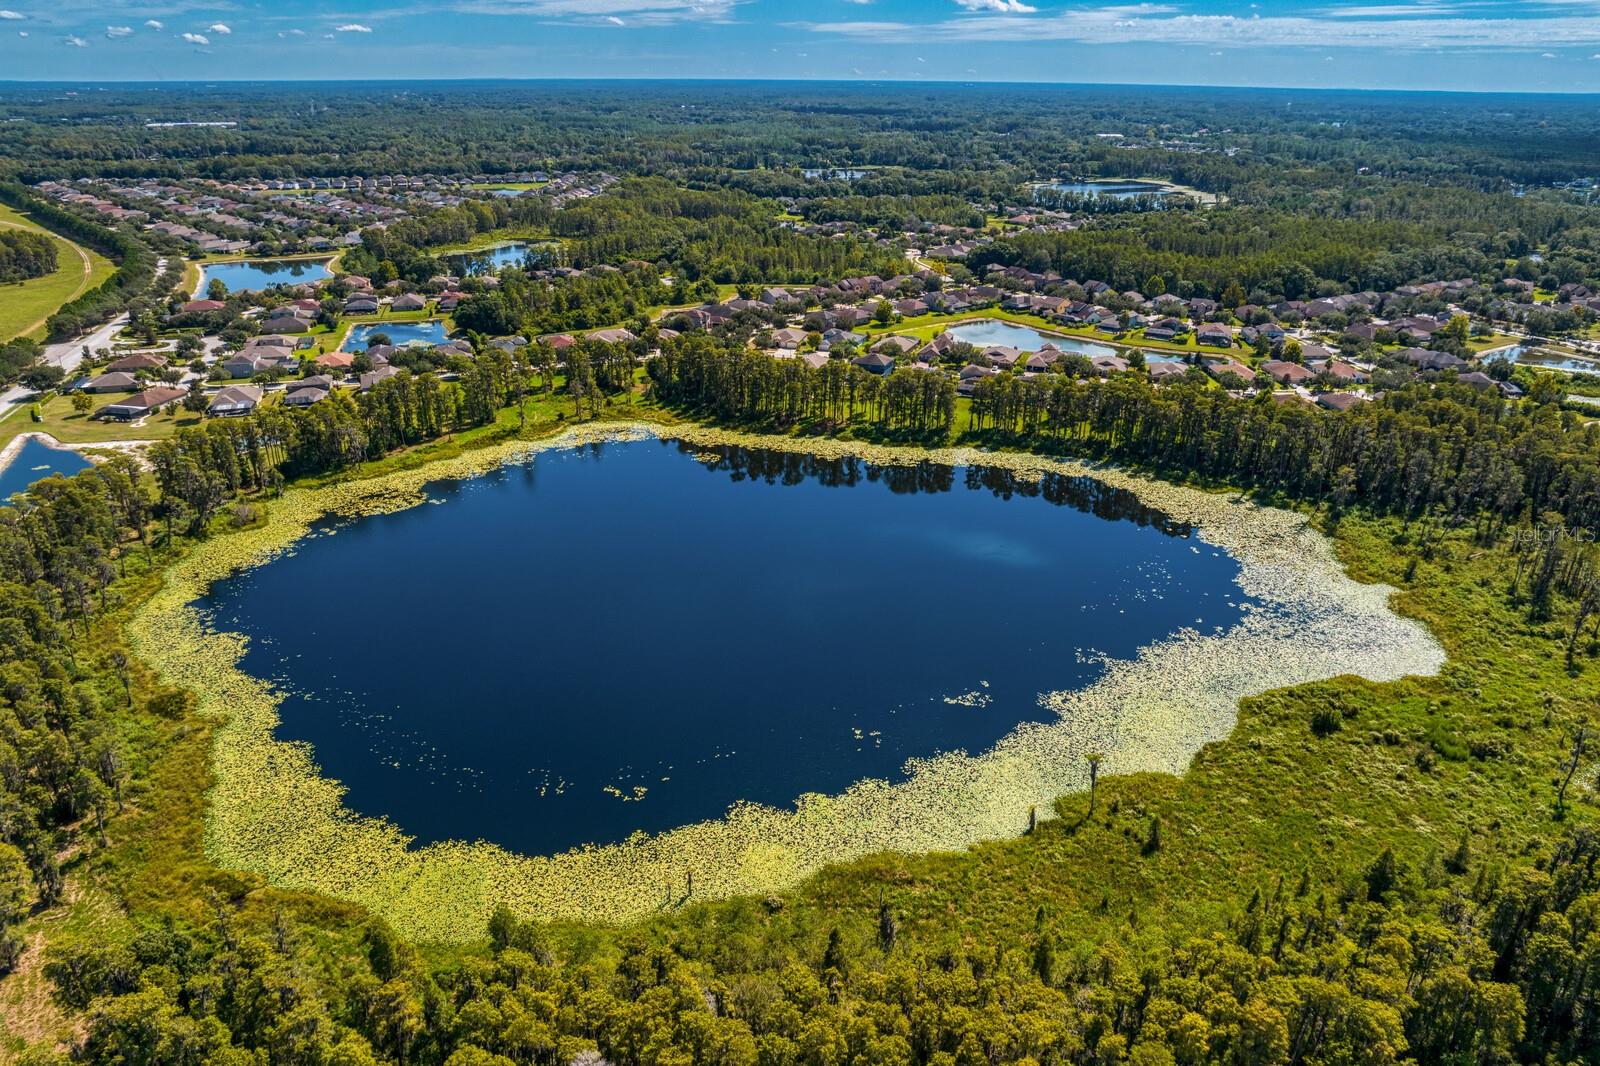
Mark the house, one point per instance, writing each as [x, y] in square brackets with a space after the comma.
[1338, 401]
[449, 301]
[790, 338]
[361, 304]
[141, 404]
[336, 360]
[1287, 373]
[613, 336]
[1229, 366]
[117, 382]
[1341, 371]
[1002, 356]
[138, 361]
[1109, 364]
[1215, 334]
[775, 295]
[194, 307]
[377, 376]
[876, 362]
[409, 302]
[1428, 359]
[897, 345]
[1167, 371]
[281, 324]
[234, 400]
[814, 360]
[307, 391]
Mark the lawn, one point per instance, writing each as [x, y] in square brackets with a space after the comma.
[510, 186]
[25, 306]
[70, 427]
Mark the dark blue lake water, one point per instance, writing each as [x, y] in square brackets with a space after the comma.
[630, 620]
[34, 462]
[257, 274]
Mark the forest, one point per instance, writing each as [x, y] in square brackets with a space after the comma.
[25, 254]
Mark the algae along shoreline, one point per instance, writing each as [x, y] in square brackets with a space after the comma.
[272, 813]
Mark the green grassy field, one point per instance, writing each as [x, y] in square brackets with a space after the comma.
[25, 306]
[68, 426]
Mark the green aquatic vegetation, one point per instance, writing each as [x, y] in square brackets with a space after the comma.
[273, 813]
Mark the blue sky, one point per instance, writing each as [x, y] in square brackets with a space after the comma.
[1529, 45]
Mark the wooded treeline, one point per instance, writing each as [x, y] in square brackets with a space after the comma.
[25, 254]
[1418, 448]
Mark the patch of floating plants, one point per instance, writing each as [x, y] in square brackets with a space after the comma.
[272, 812]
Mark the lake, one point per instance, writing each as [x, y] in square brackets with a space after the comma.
[35, 462]
[635, 635]
[257, 274]
[491, 260]
[1114, 190]
[993, 331]
[1546, 359]
[428, 331]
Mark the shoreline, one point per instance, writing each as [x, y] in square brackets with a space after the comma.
[14, 446]
[270, 811]
[330, 258]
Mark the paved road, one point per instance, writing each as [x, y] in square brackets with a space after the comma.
[67, 355]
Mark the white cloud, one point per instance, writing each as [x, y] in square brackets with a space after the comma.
[76, 42]
[291, 33]
[353, 27]
[637, 12]
[1013, 7]
[615, 21]
[219, 28]
[9, 15]
[197, 38]
[154, 24]
[1422, 7]
[1159, 24]
[113, 32]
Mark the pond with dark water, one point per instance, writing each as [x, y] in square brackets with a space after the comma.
[633, 636]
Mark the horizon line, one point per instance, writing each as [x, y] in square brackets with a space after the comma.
[729, 80]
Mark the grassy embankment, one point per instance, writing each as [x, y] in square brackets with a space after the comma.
[26, 305]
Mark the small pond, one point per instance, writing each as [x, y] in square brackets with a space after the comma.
[428, 331]
[35, 462]
[1113, 190]
[1546, 359]
[993, 331]
[635, 635]
[492, 260]
[257, 274]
